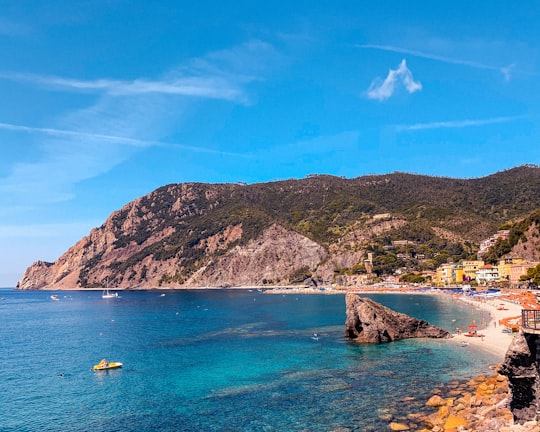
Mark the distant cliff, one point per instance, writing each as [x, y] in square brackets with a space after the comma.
[317, 230]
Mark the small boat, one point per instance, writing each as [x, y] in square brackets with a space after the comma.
[54, 298]
[106, 294]
[105, 365]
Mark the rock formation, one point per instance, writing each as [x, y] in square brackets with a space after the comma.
[521, 365]
[370, 322]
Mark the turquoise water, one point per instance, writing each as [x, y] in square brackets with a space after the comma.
[215, 361]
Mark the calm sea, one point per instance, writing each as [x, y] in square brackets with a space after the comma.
[216, 360]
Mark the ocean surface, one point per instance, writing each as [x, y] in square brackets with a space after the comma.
[216, 360]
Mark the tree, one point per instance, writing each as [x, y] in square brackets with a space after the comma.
[533, 275]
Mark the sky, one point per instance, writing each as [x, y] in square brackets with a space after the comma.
[102, 102]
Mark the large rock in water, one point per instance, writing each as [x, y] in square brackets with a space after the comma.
[370, 322]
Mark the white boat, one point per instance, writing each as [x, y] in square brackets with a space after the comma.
[106, 294]
[54, 297]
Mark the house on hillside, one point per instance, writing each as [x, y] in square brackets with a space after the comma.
[486, 244]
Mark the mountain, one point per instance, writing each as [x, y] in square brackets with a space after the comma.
[320, 229]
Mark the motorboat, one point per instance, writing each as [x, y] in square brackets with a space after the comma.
[105, 365]
[54, 298]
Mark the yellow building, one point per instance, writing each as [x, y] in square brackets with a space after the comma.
[449, 274]
[505, 265]
[470, 267]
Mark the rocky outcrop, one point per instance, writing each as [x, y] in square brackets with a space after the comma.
[521, 365]
[370, 322]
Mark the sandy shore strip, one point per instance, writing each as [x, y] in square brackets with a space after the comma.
[493, 338]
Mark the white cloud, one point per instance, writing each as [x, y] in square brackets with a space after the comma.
[505, 70]
[126, 117]
[210, 87]
[220, 75]
[383, 89]
[457, 123]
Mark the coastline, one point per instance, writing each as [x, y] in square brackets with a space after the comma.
[490, 337]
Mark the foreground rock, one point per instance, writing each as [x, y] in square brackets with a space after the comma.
[370, 322]
[521, 367]
[479, 405]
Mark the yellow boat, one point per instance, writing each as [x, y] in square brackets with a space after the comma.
[105, 365]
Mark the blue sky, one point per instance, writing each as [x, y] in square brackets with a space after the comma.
[104, 101]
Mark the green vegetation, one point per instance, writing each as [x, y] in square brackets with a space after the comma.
[517, 233]
[412, 278]
[325, 209]
[533, 276]
[299, 275]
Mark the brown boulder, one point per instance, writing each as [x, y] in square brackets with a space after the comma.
[370, 322]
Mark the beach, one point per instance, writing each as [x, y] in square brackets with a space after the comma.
[491, 337]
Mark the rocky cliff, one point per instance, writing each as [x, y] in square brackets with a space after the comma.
[521, 365]
[370, 322]
[319, 229]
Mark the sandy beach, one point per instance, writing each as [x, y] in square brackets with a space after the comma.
[493, 338]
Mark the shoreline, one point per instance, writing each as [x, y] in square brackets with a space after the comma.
[490, 337]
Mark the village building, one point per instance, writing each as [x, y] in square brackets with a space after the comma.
[470, 267]
[487, 274]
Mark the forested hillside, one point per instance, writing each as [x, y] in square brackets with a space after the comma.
[196, 234]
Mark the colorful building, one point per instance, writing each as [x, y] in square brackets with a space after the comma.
[487, 274]
[470, 267]
[504, 266]
[449, 274]
[520, 269]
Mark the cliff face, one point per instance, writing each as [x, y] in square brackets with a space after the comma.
[370, 322]
[521, 365]
[317, 229]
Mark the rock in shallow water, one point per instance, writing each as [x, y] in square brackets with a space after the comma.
[370, 322]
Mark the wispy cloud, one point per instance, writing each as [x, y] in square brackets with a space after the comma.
[125, 118]
[457, 123]
[221, 75]
[505, 70]
[383, 89]
[211, 87]
[110, 138]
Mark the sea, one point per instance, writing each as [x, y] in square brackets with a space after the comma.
[218, 360]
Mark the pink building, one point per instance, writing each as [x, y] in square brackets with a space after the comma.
[518, 270]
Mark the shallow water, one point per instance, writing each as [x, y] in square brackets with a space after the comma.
[216, 361]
